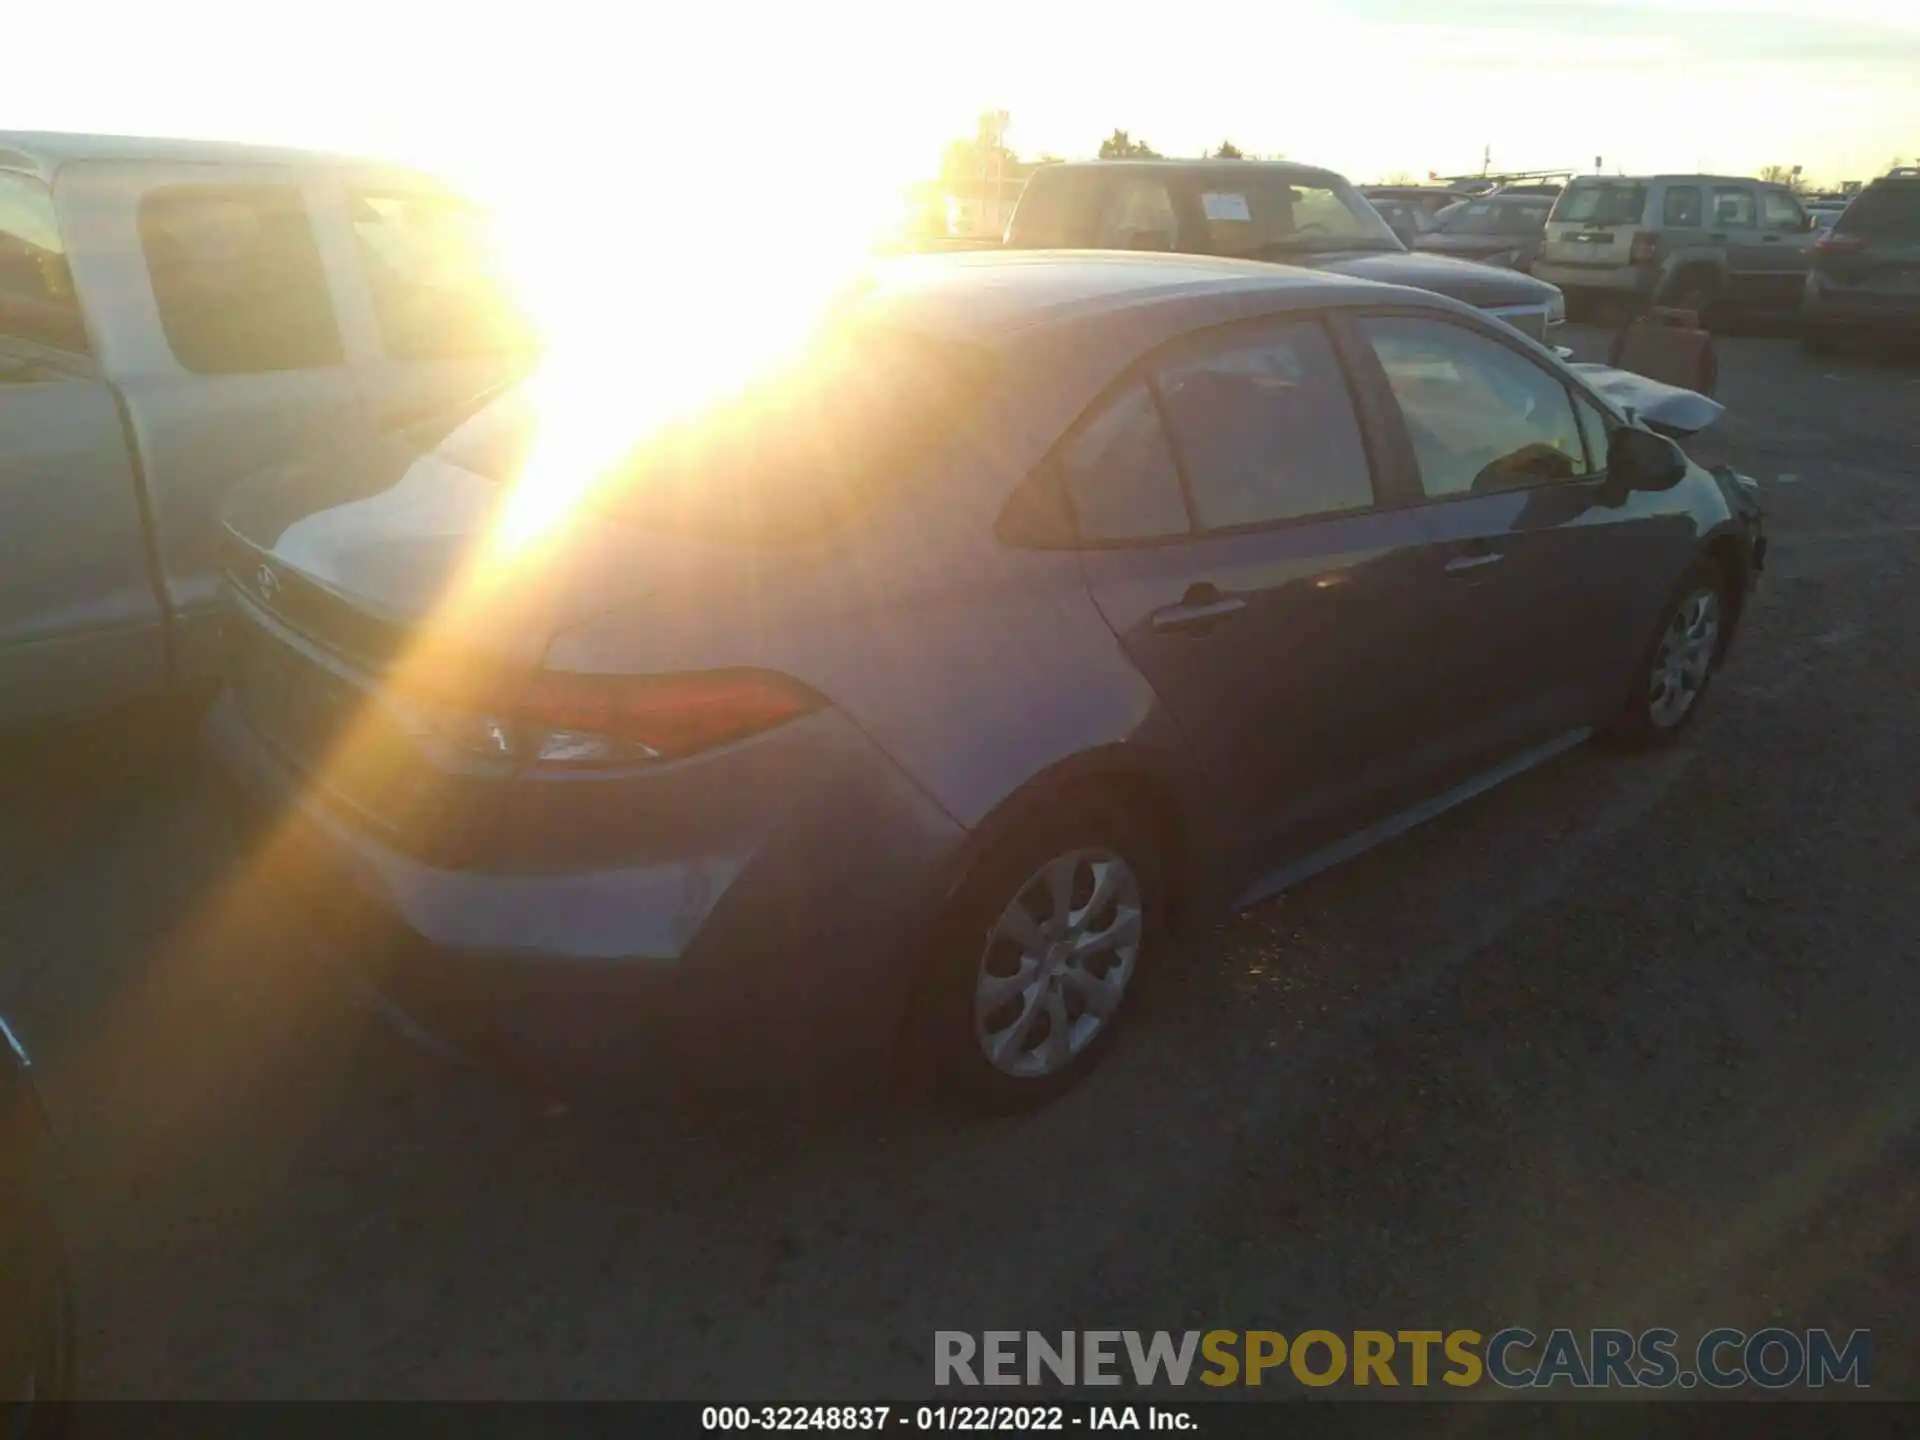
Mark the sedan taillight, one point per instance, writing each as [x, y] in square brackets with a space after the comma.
[571, 720]
[1831, 244]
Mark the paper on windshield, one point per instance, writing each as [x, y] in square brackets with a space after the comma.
[1225, 207]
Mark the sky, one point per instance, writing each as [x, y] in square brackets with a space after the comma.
[604, 128]
[1365, 86]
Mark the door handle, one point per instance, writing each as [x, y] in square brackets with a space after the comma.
[1717, 235]
[1771, 239]
[1200, 609]
[1474, 560]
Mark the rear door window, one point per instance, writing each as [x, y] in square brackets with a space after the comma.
[1601, 203]
[1120, 473]
[1265, 429]
[1733, 208]
[37, 301]
[1682, 206]
[238, 279]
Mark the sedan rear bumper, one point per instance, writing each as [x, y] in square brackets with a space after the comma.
[789, 953]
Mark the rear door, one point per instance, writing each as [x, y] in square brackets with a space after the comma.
[1266, 596]
[215, 319]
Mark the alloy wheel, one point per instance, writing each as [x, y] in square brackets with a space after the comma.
[1684, 658]
[1056, 963]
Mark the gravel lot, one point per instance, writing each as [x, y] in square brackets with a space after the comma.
[1630, 1041]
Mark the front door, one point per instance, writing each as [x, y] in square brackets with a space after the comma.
[1785, 245]
[1733, 221]
[1528, 597]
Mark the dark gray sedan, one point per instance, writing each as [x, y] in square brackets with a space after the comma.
[1502, 230]
[898, 703]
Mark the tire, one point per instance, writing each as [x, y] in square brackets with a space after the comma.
[1679, 664]
[1017, 914]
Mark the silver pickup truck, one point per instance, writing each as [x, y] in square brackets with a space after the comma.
[175, 315]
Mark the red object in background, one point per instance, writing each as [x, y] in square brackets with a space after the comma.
[1670, 346]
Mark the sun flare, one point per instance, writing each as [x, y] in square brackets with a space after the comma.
[646, 325]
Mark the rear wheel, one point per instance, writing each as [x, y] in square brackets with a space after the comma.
[1681, 662]
[1037, 957]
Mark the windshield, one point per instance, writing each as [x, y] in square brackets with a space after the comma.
[1492, 217]
[1261, 213]
[1886, 212]
[1601, 202]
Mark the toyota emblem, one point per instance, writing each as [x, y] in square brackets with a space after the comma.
[266, 584]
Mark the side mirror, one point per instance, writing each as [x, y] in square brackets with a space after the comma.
[1641, 460]
[1813, 222]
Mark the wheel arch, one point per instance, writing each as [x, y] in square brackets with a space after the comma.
[1726, 552]
[1147, 782]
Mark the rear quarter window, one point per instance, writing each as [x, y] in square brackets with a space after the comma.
[237, 278]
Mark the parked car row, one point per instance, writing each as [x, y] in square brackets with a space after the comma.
[1718, 245]
[1501, 229]
[1269, 211]
[1411, 209]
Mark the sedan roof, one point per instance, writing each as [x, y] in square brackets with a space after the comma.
[995, 296]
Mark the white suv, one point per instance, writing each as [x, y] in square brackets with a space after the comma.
[1709, 243]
